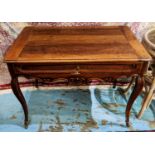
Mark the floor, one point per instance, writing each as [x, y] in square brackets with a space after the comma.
[93, 108]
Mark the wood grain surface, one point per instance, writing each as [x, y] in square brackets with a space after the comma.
[76, 44]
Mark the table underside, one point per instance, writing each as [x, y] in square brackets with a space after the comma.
[78, 74]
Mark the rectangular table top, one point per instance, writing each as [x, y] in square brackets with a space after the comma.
[76, 44]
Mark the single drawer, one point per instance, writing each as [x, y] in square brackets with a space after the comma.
[87, 70]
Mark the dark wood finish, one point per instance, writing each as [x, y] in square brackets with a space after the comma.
[16, 90]
[139, 82]
[77, 54]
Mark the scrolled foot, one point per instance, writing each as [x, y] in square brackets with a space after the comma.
[26, 124]
[128, 124]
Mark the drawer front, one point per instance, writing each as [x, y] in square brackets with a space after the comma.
[87, 70]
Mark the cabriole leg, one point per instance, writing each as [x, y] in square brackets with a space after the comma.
[16, 90]
[139, 82]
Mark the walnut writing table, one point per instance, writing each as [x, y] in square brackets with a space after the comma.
[77, 54]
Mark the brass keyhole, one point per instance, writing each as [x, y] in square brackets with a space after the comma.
[76, 71]
[77, 67]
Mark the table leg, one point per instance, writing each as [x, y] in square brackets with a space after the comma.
[139, 81]
[114, 83]
[147, 100]
[129, 86]
[16, 90]
[36, 83]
